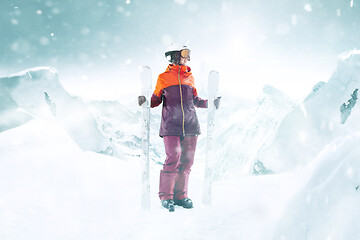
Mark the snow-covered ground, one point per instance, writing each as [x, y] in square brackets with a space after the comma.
[51, 189]
[328, 206]
[55, 185]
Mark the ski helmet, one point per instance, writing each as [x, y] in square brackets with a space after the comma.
[175, 51]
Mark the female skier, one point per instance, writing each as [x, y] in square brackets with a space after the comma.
[179, 126]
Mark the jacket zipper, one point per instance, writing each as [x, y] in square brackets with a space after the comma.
[182, 104]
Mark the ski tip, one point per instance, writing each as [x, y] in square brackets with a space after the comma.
[146, 76]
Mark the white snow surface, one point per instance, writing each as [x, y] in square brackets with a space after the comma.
[52, 192]
[328, 206]
[51, 187]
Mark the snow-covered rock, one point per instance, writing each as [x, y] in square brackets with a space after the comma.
[11, 116]
[39, 93]
[318, 120]
[122, 125]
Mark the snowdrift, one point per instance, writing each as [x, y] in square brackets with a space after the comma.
[52, 189]
[39, 93]
[330, 111]
[328, 206]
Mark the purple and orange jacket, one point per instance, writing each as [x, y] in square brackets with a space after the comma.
[176, 90]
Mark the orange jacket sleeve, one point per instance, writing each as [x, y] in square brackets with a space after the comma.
[156, 98]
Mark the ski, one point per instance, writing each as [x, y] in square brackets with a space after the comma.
[213, 84]
[146, 80]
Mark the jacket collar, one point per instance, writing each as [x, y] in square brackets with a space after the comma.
[173, 67]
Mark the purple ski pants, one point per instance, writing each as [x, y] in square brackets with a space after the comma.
[174, 176]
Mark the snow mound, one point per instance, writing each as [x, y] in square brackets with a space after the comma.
[39, 93]
[328, 206]
[318, 120]
[52, 189]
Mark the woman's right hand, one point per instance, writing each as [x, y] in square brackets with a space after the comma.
[141, 100]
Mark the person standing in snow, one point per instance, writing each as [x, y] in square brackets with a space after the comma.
[180, 127]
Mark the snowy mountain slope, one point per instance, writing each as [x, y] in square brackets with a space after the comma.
[51, 189]
[316, 122]
[243, 139]
[328, 206]
[39, 92]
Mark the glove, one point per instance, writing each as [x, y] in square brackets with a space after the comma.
[141, 100]
[217, 102]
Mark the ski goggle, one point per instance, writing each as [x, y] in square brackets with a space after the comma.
[185, 53]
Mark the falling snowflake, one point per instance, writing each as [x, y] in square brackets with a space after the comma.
[181, 2]
[55, 11]
[350, 172]
[14, 21]
[120, 9]
[44, 41]
[294, 19]
[308, 7]
[338, 12]
[85, 31]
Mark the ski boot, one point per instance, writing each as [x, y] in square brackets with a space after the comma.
[168, 204]
[185, 203]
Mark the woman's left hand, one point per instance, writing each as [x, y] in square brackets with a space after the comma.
[217, 102]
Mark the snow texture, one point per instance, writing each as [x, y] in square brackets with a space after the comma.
[328, 206]
[317, 121]
[52, 189]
